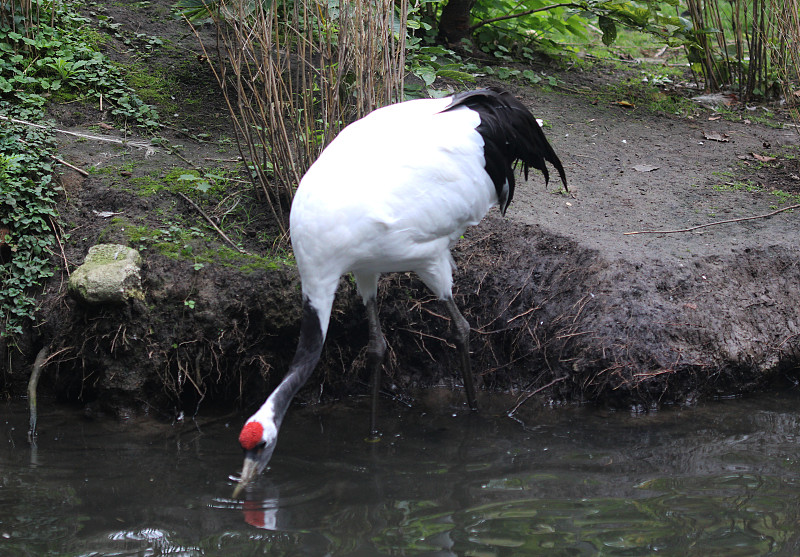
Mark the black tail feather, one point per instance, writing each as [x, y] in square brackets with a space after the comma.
[510, 134]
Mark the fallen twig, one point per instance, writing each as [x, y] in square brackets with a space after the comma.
[713, 223]
[58, 236]
[61, 161]
[237, 159]
[427, 335]
[80, 171]
[642, 376]
[212, 223]
[524, 313]
[175, 152]
[142, 145]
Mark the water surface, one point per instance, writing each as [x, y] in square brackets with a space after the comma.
[719, 479]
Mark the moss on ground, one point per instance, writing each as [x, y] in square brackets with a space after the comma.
[196, 244]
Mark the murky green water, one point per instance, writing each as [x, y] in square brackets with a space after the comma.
[720, 479]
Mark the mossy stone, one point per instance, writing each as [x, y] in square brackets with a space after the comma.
[111, 273]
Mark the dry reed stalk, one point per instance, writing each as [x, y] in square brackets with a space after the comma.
[786, 32]
[785, 23]
[743, 43]
[295, 73]
[705, 15]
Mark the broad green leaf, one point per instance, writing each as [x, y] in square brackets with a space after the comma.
[609, 29]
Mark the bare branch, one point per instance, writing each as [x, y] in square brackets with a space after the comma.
[522, 14]
[212, 223]
[712, 223]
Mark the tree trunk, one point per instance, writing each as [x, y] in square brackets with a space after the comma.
[455, 21]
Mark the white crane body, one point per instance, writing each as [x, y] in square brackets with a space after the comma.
[358, 209]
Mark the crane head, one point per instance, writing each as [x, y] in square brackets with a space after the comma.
[258, 442]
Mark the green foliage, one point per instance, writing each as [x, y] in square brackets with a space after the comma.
[62, 60]
[523, 30]
[197, 11]
[609, 29]
[535, 24]
[544, 24]
[39, 62]
[27, 200]
[425, 59]
[428, 62]
[751, 48]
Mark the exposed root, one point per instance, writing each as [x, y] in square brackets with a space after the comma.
[33, 383]
[533, 393]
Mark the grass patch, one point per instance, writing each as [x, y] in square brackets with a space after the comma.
[638, 93]
[207, 186]
[750, 186]
[746, 186]
[785, 197]
[222, 194]
[761, 115]
[228, 257]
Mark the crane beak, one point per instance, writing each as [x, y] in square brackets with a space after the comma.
[250, 470]
[255, 460]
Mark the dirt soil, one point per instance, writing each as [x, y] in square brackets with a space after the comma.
[562, 302]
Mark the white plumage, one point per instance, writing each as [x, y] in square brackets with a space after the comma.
[393, 192]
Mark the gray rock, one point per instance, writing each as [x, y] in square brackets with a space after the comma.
[111, 273]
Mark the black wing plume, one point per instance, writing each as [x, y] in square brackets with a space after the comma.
[510, 134]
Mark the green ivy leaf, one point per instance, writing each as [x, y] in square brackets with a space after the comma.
[426, 74]
[531, 76]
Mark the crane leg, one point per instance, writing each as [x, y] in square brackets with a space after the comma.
[462, 328]
[376, 349]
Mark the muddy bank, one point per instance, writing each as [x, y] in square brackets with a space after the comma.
[625, 332]
[546, 312]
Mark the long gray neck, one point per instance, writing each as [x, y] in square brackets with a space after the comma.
[305, 360]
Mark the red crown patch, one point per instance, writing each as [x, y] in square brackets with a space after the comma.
[251, 435]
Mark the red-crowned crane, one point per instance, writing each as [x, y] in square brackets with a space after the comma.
[393, 192]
